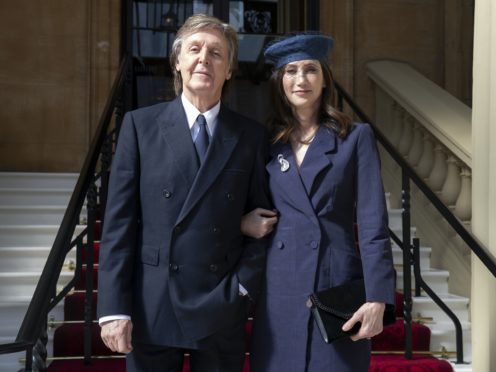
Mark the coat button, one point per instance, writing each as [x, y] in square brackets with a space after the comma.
[166, 194]
[177, 229]
[174, 267]
[213, 268]
[279, 244]
[230, 196]
[314, 244]
[216, 230]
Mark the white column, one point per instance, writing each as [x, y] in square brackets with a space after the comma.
[483, 304]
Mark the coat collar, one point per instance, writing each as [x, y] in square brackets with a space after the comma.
[225, 138]
[316, 159]
[174, 128]
[296, 183]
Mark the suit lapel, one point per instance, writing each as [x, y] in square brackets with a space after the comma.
[174, 128]
[289, 183]
[316, 159]
[224, 140]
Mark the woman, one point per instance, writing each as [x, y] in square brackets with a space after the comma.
[324, 175]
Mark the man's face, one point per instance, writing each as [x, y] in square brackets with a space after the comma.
[204, 64]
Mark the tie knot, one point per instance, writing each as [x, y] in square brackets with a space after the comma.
[201, 120]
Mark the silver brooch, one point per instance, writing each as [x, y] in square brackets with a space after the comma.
[284, 163]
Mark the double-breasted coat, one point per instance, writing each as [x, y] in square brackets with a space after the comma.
[314, 248]
[172, 254]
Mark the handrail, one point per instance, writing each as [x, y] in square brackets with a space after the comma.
[44, 297]
[475, 245]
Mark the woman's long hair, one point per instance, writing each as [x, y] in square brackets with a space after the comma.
[283, 121]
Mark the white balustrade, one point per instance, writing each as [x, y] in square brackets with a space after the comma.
[405, 142]
[452, 184]
[439, 169]
[426, 162]
[417, 147]
[463, 206]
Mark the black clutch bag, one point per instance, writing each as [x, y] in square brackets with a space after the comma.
[333, 307]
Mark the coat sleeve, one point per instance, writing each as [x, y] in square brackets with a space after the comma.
[252, 263]
[372, 219]
[119, 235]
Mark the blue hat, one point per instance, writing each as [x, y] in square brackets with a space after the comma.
[299, 47]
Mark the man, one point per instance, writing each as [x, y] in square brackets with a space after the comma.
[175, 272]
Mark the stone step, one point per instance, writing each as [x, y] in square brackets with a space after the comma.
[399, 233]
[38, 180]
[443, 336]
[12, 314]
[425, 257]
[424, 306]
[10, 362]
[436, 279]
[35, 197]
[461, 367]
[30, 235]
[32, 215]
[395, 222]
[13, 259]
[21, 284]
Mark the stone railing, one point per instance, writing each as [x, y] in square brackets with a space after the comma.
[432, 130]
[429, 127]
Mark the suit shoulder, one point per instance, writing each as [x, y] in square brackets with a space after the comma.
[360, 130]
[149, 111]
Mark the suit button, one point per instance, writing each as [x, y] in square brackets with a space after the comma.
[230, 196]
[166, 194]
[279, 244]
[213, 268]
[314, 244]
[216, 230]
[174, 267]
[177, 229]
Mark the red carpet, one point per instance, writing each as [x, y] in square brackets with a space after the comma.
[68, 341]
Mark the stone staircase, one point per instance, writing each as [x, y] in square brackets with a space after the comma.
[441, 326]
[31, 208]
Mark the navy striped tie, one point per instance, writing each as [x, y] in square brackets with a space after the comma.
[202, 140]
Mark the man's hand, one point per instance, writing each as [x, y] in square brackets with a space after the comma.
[370, 314]
[116, 335]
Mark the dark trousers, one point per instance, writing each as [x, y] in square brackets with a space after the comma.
[224, 352]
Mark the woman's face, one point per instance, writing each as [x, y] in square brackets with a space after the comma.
[303, 82]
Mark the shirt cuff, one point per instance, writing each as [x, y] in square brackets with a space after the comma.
[108, 318]
[242, 290]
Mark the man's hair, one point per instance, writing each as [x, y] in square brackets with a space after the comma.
[196, 23]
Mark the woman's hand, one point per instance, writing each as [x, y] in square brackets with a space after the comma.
[370, 314]
[258, 223]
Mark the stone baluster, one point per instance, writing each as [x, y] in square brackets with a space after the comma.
[426, 161]
[452, 184]
[463, 206]
[405, 142]
[417, 145]
[439, 169]
[397, 129]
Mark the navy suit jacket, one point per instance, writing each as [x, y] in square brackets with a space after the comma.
[172, 253]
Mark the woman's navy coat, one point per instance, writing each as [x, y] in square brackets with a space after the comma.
[314, 248]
